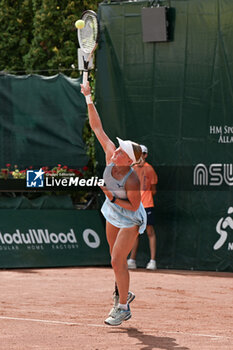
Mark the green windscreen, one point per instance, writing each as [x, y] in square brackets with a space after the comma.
[176, 98]
[41, 121]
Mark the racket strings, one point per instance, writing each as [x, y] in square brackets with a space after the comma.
[88, 35]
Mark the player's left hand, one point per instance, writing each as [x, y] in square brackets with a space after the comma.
[107, 192]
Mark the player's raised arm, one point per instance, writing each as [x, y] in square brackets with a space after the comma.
[96, 124]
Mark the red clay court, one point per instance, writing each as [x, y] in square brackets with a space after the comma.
[65, 309]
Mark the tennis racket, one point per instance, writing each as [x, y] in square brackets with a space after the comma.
[88, 38]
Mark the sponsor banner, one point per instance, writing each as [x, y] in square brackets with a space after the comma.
[222, 133]
[215, 244]
[198, 177]
[44, 238]
[194, 230]
[224, 228]
[214, 175]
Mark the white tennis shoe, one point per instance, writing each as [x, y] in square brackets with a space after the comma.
[131, 264]
[151, 265]
[130, 298]
[120, 316]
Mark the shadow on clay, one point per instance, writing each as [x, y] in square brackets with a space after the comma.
[150, 342]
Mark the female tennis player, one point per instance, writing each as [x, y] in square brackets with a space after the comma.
[123, 210]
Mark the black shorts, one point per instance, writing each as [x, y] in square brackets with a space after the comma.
[150, 216]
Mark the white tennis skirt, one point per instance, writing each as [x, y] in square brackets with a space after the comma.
[122, 218]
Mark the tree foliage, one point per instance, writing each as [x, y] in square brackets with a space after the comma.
[16, 33]
[39, 36]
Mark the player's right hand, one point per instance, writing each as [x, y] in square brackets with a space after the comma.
[85, 90]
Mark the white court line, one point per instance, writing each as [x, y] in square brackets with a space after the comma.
[50, 321]
[104, 326]
[200, 335]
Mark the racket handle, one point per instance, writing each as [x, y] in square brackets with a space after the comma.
[85, 78]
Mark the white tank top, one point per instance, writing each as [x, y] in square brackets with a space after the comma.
[117, 187]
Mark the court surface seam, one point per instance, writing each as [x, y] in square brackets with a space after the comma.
[104, 326]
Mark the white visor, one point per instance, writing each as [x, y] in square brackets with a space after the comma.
[127, 148]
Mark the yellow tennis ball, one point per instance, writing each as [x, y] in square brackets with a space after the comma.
[79, 24]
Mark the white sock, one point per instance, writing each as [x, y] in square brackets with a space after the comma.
[131, 260]
[123, 306]
[151, 260]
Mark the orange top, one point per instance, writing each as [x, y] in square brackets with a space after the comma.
[147, 177]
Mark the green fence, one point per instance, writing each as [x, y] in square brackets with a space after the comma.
[41, 121]
[177, 99]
